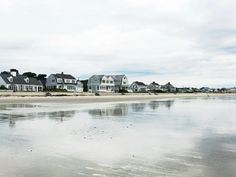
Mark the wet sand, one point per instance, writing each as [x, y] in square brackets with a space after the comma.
[99, 99]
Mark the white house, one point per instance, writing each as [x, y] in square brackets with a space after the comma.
[80, 86]
[101, 83]
[20, 83]
[63, 81]
[138, 87]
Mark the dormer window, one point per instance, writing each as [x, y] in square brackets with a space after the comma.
[26, 80]
[59, 80]
[10, 79]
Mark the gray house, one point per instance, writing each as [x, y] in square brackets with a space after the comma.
[108, 83]
[63, 81]
[154, 86]
[121, 82]
[20, 83]
[138, 87]
[101, 83]
[168, 87]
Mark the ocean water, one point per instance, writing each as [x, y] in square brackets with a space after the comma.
[166, 138]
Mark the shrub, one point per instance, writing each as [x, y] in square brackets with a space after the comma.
[2, 87]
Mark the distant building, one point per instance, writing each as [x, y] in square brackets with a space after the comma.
[101, 83]
[205, 89]
[154, 87]
[80, 86]
[43, 79]
[107, 83]
[138, 87]
[168, 87]
[121, 82]
[63, 81]
[185, 90]
[20, 83]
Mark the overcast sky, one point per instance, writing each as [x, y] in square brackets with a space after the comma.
[186, 42]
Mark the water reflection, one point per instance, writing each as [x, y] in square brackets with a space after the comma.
[61, 115]
[218, 155]
[196, 138]
[120, 110]
[55, 115]
[138, 107]
[156, 104]
[15, 106]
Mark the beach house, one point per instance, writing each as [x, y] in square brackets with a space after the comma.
[101, 83]
[168, 87]
[154, 87]
[63, 82]
[138, 87]
[19, 83]
[121, 83]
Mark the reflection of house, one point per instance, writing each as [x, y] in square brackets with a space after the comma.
[16, 82]
[154, 87]
[168, 87]
[101, 83]
[61, 115]
[118, 110]
[138, 107]
[156, 104]
[63, 81]
[138, 87]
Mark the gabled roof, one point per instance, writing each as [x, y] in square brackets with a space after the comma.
[118, 77]
[154, 83]
[98, 76]
[168, 85]
[64, 76]
[139, 83]
[20, 79]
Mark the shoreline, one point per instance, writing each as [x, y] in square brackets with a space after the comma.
[101, 99]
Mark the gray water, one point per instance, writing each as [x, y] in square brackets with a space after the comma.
[166, 138]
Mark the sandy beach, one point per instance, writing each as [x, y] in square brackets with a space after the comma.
[98, 99]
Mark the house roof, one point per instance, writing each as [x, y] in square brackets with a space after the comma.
[168, 85]
[20, 79]
[118, 77]
[154, 83]
[64, 76]
[139, 83]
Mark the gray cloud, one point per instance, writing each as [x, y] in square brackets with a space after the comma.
[186, 42]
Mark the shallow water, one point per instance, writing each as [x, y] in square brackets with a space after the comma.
[171, 138]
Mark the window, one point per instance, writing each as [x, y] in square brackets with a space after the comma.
[10, 79]
[111, 82]
[53, 80]
[26, 80]
[59, 80]
[103, 81]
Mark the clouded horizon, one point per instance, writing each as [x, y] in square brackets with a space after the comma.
[186, 42]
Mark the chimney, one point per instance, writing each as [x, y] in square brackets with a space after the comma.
[62, 78]
[14, 72]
